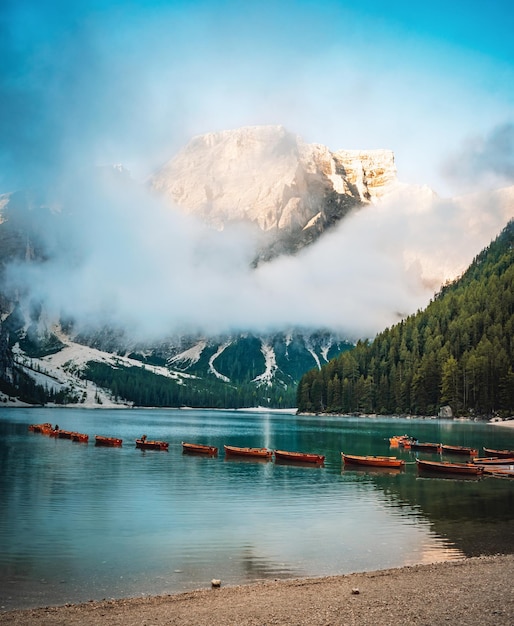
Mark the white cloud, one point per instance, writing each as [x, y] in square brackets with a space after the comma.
[133, 264]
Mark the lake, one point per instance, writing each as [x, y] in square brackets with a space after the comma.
[81, 522]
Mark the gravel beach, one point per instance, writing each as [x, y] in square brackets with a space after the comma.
[469, 591]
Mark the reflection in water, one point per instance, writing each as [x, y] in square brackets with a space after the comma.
[298, 463]
[256, 567]
[81, 522]
[440, 553]
[248, 459]
[266, 430]
[373, 471]
[428, 475]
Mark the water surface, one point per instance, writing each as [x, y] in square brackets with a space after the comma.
[80, 522]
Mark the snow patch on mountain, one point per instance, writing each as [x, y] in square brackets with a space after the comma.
[270, 367]
[324, 352]
[311, 349]
[212, 369]
[62, 370]
[190, 356]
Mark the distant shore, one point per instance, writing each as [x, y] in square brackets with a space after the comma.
[14, 404]
[507, 423]
[474, 591]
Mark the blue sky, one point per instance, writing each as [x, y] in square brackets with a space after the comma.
[93, 82]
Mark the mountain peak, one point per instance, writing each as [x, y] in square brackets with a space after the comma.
[269, 176]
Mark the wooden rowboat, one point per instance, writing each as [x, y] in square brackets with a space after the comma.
[449, 468]
[493, 460]
[198, 448]
[508, 454]
[499, 472]
[39, 428]
[64, 434]
[44, 429]
[404, 441]
[429, 447]
[372, 461]
[80, 437]
[112, 442]
[299, 457]
[459, 450]
[262, 453]
[146, 444]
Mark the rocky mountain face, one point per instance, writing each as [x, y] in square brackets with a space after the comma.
[291, 190]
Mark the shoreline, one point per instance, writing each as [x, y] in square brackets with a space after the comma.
[468, 591]
[508, 423]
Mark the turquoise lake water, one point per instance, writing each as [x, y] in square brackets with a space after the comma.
[80, 522]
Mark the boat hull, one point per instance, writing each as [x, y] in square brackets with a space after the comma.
[403, 441]
[299, 457]
[493, 461]
[64, 434]
[500, 453]
[198, 448]
[39, 428]
[80, 437]
[261, 453]
[459, 450]
[429, 447]
[110, 442]
[444, 467]
[152, 445]
[44, 429]
[499, 472]
[372, 461]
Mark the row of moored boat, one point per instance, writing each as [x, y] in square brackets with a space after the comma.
[498, 462]
[191, 448]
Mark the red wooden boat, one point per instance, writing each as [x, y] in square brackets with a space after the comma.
[372, 461]
[401, 440]
[449, 468]
[146, 444]
[112, 442]
[428, 447]
[64, 434]
[499, 472]
[459, 450]
[299, 457]
[44, 429]
[80, 437]
[493, 460]
[262, 453]
[508, 454]
[199, 448]
[37, 428]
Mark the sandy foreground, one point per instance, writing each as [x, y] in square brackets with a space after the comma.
[469, 591]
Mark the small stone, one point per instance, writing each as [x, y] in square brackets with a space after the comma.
[355, 591]
[216, 582]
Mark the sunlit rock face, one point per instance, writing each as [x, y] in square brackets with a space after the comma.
[372, 172]
[265, 175]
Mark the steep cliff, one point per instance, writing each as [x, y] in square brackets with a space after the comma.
[265, 175]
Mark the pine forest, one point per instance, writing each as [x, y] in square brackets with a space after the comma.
[458, 352]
